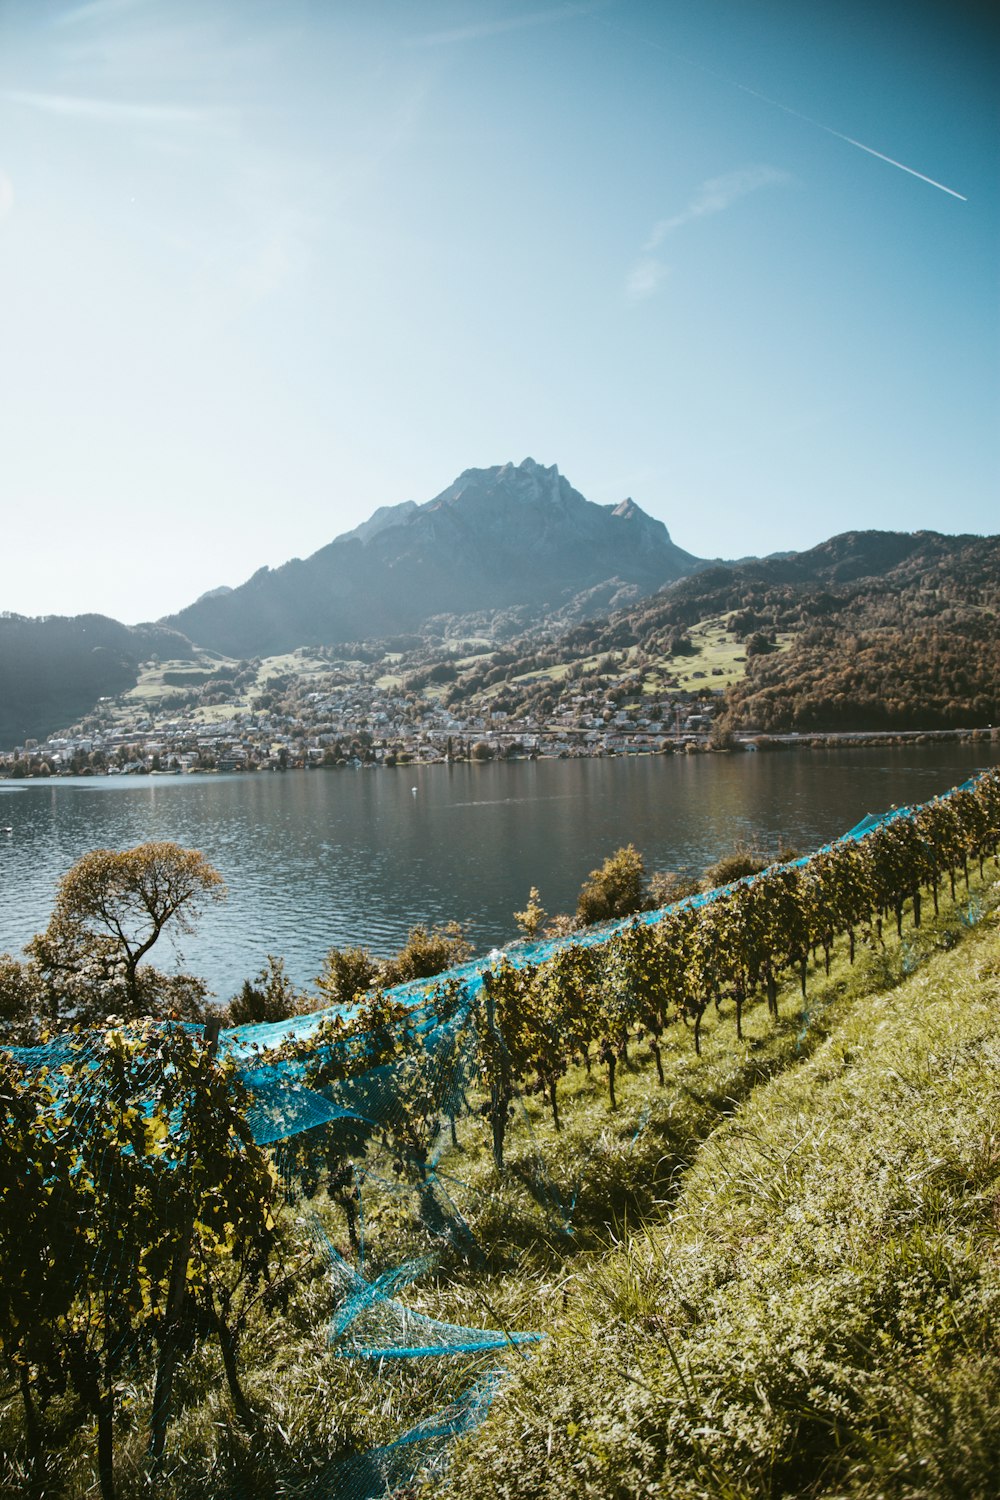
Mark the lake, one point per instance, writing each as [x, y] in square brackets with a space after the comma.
[313, 859]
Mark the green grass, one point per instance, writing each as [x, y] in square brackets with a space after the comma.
[297, 664]
[218, 713]
[151, 687]
[776, 1275]
[720, 660]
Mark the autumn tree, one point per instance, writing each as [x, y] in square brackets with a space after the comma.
[19, 1002]
[110, 910]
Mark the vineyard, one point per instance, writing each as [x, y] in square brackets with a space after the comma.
[380, 1204]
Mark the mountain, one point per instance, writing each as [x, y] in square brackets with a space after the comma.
[54, 669]
[511, 536]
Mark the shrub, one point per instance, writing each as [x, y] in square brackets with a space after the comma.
[741, 860]
[427, 951]
[269, 996]
[668, 886]
[347, 972]
[531, 919]
[615, 890]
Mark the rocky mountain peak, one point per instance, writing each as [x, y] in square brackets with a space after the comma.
[507, 484]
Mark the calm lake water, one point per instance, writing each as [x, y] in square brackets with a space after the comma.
[318, 858]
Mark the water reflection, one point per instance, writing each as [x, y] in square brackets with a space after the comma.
[317, 858]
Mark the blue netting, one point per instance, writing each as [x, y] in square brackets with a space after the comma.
[370, 1323]
[419, 1452]
[243, 1040]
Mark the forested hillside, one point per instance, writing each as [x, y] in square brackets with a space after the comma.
[869, 631]
[54, 669]
[916, 647]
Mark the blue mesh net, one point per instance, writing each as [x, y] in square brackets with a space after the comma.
[419, 1452]
[371, 1323]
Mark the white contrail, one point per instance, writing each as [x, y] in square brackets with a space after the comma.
[849, 139]
[776, 104]
[894, 163]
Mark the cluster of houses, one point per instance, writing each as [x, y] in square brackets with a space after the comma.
[360, 725]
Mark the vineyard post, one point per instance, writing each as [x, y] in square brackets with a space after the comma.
[177, 1292]
[498, 1100]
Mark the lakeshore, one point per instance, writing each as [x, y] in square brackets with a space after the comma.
[230, 747]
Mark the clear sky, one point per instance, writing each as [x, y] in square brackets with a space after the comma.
[268, 264]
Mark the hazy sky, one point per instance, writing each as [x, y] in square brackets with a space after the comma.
[268, 264]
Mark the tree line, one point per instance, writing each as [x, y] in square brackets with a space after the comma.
[589, 1002]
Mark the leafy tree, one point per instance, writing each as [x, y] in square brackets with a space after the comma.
[707, 966]
[117, 1277]
[20, 1002]
[42, 1243]
[426, 1085]
[217, 1203]
[547, 1024]
[636, 983]
[503, 1044]
[341, 1050]
[110, 910]
[577, 973]
[137, 1217]
[760, 644]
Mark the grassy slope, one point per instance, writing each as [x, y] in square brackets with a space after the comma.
[819, 1314]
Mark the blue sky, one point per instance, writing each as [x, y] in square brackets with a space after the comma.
[268, 264]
